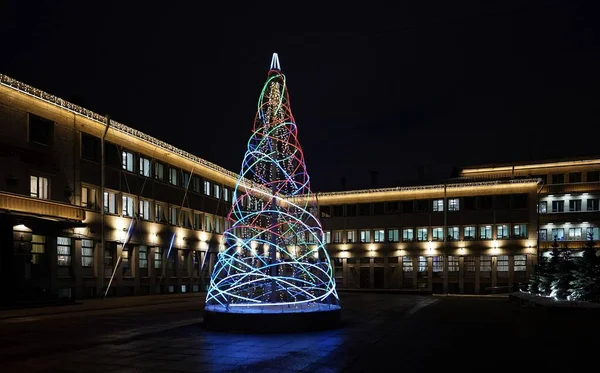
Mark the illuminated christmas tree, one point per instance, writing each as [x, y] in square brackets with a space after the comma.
[274, 260]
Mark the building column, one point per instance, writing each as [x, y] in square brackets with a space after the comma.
[477, 273]
[461, 274]
[345, 272]
[531, 260]
[116, 282]
[134, 264]
[190, 270]
[400, 274]
[371, 273]
[386, 272]
[415, 261]
[52, 257]
[430, 273]
[99, 267]
[357, 268]
[494, 272]
[511, 271]
[445, 274]
[76, 265]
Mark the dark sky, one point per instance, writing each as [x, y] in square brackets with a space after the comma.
[375, 87]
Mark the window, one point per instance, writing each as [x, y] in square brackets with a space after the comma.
[143, 256]
[469, 264]
[63, 251]
[520, 231]
[144, 209]
[520, 263]
[350, 236]
[196, 184]
[38, 187]
[364, 209]
[327, 237]
[543, 207]
[392, 207]
[592, 204]
[408, 235]
[470, 233]
[575, 177]
[158, 257]
[558, 206]
[502, 265]
[407, 264]
[519, 201]
[470, 203]
[575, 205]
[173, 176]
[160, 213]
[408, 207]
[110, 203]
[437, 233]
[593, 176]
[41, 130]
[453, 264]
[217, 194]
[173, 215]
[159, 171]
[542, 235]
[128, 206]
[186, 179]
[207, 187]
[453, 234]
[503, 232]
[87, 253]
[453, 204]
[438, 205]
[38, 248]
[338, 210]
[208, 223]
[144, 166]
[379, 235]
[90, 147]
[128, 161]
[365, 236]
[422, 264]
[112, 155]
[558, 179]
[438, 263]
[350, 210]
[422, 234]
[89, 198]
[558, 234]
[378, 208]
[393, 235]
[592, 233]
[502, 202]
[225, 194]
[575, 234]
[486, 202]
[485, 263]
[197, 221]
[337, 236]
[485, 232]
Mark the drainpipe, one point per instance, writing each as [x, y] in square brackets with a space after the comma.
[102, 162]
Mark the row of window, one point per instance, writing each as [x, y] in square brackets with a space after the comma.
[152, 211]
[485, 263]
[574, 177]
[516, 201]
[592, 204]
[485, 232]
[569, 234]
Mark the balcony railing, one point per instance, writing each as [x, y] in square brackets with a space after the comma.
[42, 207]
[571, 188]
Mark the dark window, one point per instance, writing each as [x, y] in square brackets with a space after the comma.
[421, 205]
[338, 210]
[378, 208]
[520, 201]
[325, 211]
[486, 202]
[503, 202]
[558, 178]
[575, 177]
[593, 176]
[407, 207]
[392, 207]
[470, 203]
[90, 147]
[41, 130]
[112, 156]
[350, 210]
[364, 209]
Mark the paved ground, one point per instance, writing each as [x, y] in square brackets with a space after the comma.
[382, 332]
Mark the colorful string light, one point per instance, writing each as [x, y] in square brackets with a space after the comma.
[274, 258]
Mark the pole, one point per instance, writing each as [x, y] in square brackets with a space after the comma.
[102, 202]
[445, 263]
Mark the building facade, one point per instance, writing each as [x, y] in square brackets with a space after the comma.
[90, 207]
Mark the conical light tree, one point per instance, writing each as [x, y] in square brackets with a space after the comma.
[274, 260]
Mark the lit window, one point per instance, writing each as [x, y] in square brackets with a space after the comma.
[327, 237]
[197, 220]
[218, 224]
[87, 253]
[520, 263]
[393, 235]
[110, 203]
[160, 213]
[408, 235]
[469, 264]
[453, 204]
[144, 166]
[173, 215]
[485, 232]
[208, 223]
[502, 231]
[144, 209]
[207, 187]
[437, 234]
[350, 236]
[63, 251]
[485, 263]
[453, 263]
[592, 233]
[543, 207]
[365, 236]
[558, 234]
[407, 264]
[438, 205]
[173, 176]
[502, 264]
[453, 233]
[128, 206]
[38, 249]
[38, 187]
[438, 263]
[470, 233]
[422, 264]
[128, 161]
[226, 194]
[520, 231]
[217, 191]
[143, 256]
[575, 234]
[159, 171]
[337, 236]
[158, 258]
[379, 235]
[422, 234]
[89, 198]
[542, 235]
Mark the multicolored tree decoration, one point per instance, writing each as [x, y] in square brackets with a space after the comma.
[274, 258]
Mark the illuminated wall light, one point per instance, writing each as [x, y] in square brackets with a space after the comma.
[21, 228]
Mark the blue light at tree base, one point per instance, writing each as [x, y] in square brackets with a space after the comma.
[274, 260]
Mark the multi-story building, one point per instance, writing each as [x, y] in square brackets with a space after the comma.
[88, 209]
[474, 234]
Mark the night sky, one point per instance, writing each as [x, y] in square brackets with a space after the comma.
[431, 83]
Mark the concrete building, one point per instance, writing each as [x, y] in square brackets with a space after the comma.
[88, 209]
